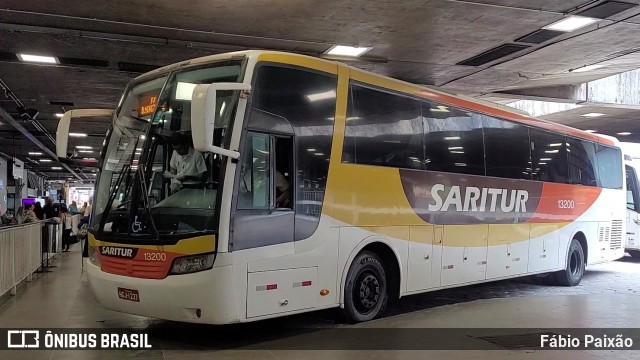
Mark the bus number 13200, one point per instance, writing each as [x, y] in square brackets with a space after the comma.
[566, 204]
[155, 256]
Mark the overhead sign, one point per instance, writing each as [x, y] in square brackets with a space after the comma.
[18, 169]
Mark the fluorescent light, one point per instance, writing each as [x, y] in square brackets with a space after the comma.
[545, 159]
[318, 153]
[456, 148]
[85, 151]
[35, 153]
[449, 138]
[142, 137]
[586, 68]
[552, 151]
[83, 147]
[591, 115]
[322, 96]
[542, 163]
[440, 108]
[222, 108]
[56, 168]
[591, 131]
[38, 59]
[344, 50]
[457, 152]
[45, 160]
[556, 144]
[77, 135]
[624, 133]
[184, 91]
[350, 118]
[571, 23]
[92, 159]
[311, 149]
[460, 164]
[59, 115]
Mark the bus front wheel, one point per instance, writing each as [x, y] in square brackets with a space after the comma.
[365, 288]
[574, 270]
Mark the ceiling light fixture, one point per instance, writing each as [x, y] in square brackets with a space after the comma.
[571, 23]
[83, 147]
[59, 115]
[322, 96]
[56, 168]
[85, 151]
[624, 133]
[440, 108]
[592, 115]
[77, 135]
[587, 68]
[591, 131]
[35, 153]
[345, 50]
[45, 160]
[38, 59]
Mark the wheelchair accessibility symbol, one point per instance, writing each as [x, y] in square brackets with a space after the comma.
[136, 226]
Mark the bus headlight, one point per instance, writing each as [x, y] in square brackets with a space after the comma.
[193, 263]
[93, 257]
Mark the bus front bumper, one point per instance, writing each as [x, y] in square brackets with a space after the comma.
[202, 297]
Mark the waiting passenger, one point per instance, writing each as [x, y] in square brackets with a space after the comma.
[4, 218]
[187, 168]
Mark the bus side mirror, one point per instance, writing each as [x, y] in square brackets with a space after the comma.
[62, 133]
[204, 114]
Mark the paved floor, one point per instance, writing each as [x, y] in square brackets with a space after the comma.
[607, 297]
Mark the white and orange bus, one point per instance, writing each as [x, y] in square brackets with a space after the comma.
[328, 186]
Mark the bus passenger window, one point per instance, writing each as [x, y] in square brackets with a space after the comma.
[254, 177]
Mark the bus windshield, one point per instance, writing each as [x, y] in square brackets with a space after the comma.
[152, 183]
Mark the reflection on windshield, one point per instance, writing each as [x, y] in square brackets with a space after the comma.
[170, 188]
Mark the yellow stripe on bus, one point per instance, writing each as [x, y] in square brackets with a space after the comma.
[300, 60]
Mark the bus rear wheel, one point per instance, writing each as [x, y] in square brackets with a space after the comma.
[365, 289]
[634, 253]
[573, 273]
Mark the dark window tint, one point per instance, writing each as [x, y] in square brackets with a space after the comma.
[507, 149]
[548, 156]
[581, 155]
[633, 197]
[383, 129]
[609, 169]
[307, 100]
[452, 140]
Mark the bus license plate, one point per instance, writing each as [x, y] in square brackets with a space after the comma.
[128, 294]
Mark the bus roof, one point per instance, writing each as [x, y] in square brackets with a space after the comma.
[431, 93]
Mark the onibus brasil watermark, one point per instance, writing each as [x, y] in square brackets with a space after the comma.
[47, 339]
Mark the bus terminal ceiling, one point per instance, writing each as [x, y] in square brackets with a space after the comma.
[103, 45]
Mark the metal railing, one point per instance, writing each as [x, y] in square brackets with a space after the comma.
[20, 254]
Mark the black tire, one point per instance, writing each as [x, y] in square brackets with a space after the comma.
[572, 275]
[366, 289]
[634, 253]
